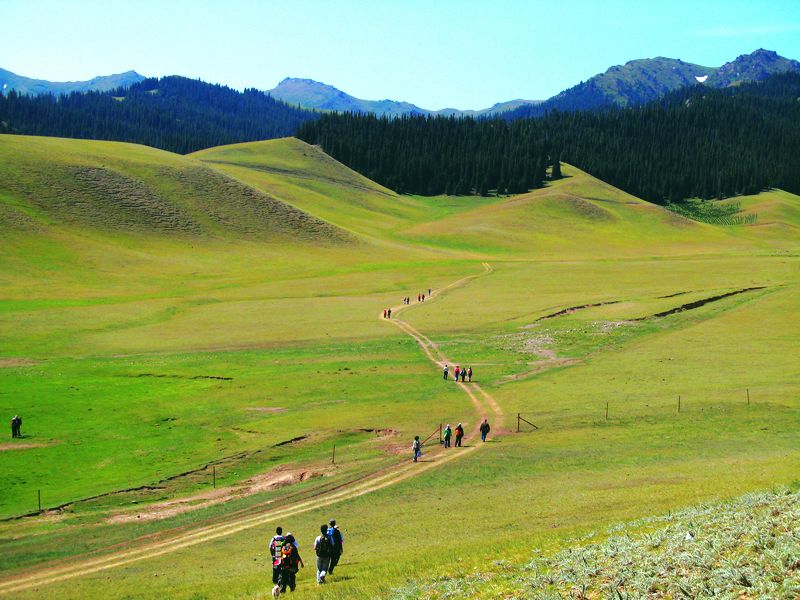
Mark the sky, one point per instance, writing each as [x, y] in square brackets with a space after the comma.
[434, 53]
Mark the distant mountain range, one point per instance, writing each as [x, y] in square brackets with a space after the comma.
[25, 85]
[319, 96]
[645, 80]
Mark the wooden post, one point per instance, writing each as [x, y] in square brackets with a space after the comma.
[39, 495]
[214, 475]
[333, 455]
[748, 396]
[606, 410]
[679, 403]
[518, 415]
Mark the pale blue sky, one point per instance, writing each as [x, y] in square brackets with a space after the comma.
[467, 54]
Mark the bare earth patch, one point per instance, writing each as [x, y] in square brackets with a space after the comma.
[277, 478]
[17, 362]
[22, 446]
[266, 409]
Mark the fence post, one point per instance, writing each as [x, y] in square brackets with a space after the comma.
[748, 396]
[39, 496]
[679, 403]
[333, 455]
[214, 475]
[518, 415]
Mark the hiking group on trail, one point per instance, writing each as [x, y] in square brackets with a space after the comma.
[464, 374]
[286, 560]
[447, 436]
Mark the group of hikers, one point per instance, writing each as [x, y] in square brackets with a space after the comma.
[16, 427]
[465, 374]
[447, 435]
[387, 312]
[286, 560]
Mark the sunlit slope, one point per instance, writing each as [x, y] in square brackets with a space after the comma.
[778, 216]
[306, 177]
[124, 188]
[575, 216]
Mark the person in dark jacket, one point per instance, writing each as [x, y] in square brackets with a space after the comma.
[459, 435]
[290, 564]
[484, 429]
[337, 541]
[324, 550]
[447, 434]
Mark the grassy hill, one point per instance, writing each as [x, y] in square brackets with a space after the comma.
[168, 323]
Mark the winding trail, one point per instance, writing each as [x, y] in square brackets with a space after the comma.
[485, 406]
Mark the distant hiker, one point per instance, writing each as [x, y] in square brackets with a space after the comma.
[459, 435]
[337, 541]
[423, 297]
[290, 564]
[484, 429]
[447, 435]
[469, 374]
[446, 371]
[416, 448]
[275, 546]
[389, 313]
[16, 426]
[456, 372]
[324, 549]
[463, 375]
[419, 297]
[429, 292]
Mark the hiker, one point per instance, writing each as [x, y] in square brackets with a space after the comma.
[419, 297]
[384, 313]
[275, 545]
[459, 435]
[416, 448]
[337, 541]
[290, 559]
[484, 429]
[389, 313]
[16, 426]
[469, 374]
[429, 292]
[446, 370]
[423, 297]
[456, 372]
[463, 375]
[324, 549]
[447, 435]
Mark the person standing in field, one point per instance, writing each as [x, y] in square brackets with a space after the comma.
[484, 429]
[463, 375]
[459, 435]
[389, 312]
[416, 448]
[324, 550]
[469, 374]
[423, 297]
[446, 371]
[429, 292]
[275, 545]
[384, 313]
[448, 433]
[337, 542]
[456, 372]
[291, 562]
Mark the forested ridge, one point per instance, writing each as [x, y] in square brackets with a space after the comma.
[695, 142]
[172, 113]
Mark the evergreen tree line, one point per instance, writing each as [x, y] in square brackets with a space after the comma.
[172, 113]
[694, 142]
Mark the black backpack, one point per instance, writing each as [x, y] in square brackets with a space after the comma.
[324, 548]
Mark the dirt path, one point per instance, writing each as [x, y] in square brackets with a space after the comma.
[483, 403]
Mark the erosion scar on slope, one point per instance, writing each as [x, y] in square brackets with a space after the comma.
[373, 482]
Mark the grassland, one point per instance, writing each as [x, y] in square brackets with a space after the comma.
[144, 358]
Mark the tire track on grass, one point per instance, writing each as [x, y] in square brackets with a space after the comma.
[371, 483]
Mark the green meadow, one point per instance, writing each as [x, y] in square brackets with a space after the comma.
[168, 323]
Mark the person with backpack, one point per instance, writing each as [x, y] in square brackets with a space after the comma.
[463, 375]
[291, 562]
[484, 429]
[459, 435]
[337, 541]
[446, 371]
[456, 372]
[324, 549]
[275, 545]
[416, 448]
[447, 434]
[469, 374]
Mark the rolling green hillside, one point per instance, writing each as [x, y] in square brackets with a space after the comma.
[188, 338]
